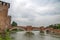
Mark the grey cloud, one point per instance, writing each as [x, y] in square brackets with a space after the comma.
[28, 10]
[44, 2]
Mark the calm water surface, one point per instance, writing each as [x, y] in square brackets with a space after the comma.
[36, 36]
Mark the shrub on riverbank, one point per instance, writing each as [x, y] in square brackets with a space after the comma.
[5, 36]
[1, 38]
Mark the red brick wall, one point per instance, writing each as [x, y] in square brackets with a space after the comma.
[4, 18]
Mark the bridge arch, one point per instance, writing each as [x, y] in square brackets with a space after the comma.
[16, 28]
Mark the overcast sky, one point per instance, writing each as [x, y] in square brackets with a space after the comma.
[35, 12]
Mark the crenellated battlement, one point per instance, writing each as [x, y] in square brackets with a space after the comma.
[5, 4]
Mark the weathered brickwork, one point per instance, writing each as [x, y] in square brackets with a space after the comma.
[4, 18]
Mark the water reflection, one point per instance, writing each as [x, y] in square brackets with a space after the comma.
[29, 34]
[37, 36]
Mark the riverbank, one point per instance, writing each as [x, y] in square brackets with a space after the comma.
[5, 36]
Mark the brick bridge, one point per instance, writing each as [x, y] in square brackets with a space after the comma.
[30, 28]
[27, 28]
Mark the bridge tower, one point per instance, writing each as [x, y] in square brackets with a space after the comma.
[4, 18]
[29, 28]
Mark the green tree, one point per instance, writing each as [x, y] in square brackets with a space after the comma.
[58, 26]
[14, 23]
[51, 26]
[55, 26]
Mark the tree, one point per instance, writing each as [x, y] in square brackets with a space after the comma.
[51, 26]
[55, 26]
[14, 23]
[58, 26]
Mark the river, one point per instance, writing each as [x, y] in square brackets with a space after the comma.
[37, 36]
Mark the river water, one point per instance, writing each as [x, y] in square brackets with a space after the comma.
[37, 36]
